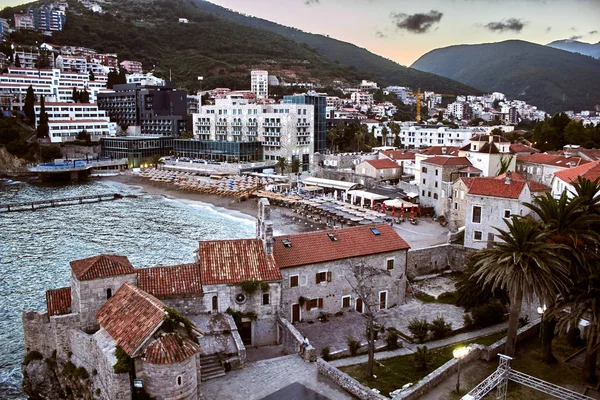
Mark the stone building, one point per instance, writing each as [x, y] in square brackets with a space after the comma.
[434, 151]
[487, 153]
[405, 159]
[379, 170]
[542, 167]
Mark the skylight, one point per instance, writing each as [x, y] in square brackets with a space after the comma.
[375, 231]
[286, 243]
[332, 237]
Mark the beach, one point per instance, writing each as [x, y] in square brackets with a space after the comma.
[285, 220]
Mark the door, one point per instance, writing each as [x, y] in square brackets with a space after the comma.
[245, 331]
[295, 313]
[359, 305]
[382, 300]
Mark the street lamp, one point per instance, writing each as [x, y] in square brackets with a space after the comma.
[541, 310]
[460, 353]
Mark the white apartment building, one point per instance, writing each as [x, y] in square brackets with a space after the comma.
[66, 120]
[285, 130]
[147, 79]
[419, 136]
[259, 84]
[362, 98]
[72, 63]
[368, 85]
[457, 109]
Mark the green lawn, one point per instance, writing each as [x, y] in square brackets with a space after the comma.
[395, 372]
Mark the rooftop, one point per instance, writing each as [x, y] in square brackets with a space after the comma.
[58, 301]
[234, 261]
[399, 154]
[170, 348]
[552, 159]
[164, 282]
[441, 151]
[382, 164]
[496, 187]
[130, 316]
[590, 170]
[101, 266]
[486, 138]
[448, 161]
[318, 247]
[522, 148]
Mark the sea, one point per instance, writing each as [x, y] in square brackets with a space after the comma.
[36, 246]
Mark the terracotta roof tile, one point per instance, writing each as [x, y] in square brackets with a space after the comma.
[165, 282]
[439, 151]
[496, 188]
[552, 159]
[102, 266]
[58, 301]
[441, 160]
[170, 348]
[486, 138]
[234, 261]
[399, 154]
[521, 148]
[317, 247]
[590, 170]
[470, 170]
[130, 316]
[382, 164]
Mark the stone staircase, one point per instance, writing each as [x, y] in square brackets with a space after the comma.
[211, 367]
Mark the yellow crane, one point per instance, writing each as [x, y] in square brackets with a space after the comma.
[419, 106]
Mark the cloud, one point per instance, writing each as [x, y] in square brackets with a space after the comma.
[416, 23]
[592, 32]
[576, 37]
[573, 29]
[548, 29]
[511, 24]
[311, 2]
[380, 34]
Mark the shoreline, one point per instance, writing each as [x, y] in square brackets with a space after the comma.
[285, 221]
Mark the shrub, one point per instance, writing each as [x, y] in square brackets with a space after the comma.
[81, 373]
[98, 391]
[488, 314]
[523, 321]
[32, 355]
[301, 301]
[422, 357]
[574, 336]
[264, 286]
[326, 353]
[440, 328]
[69, 354]
[70, 368]
[447, 298]
[391, 340]
[424, 297]
[250, 287]
[468, 321]
[353, 345]
[419, 329]
[94, 372]
[124, 362]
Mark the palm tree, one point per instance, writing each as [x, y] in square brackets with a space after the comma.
[384, 134]
[523, 264]
[282, 164]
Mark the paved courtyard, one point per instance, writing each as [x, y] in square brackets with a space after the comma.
[426, 233]
[260, 379]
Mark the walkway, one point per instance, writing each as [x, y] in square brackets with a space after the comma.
[262, 378]
[344, 362]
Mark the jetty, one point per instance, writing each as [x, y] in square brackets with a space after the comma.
[69, 201]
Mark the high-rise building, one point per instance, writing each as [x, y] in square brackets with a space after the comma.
[260, 84]
[319, 101]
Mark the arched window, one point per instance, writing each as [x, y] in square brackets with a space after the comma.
[215, 303]
[179, 381]
[108, 293]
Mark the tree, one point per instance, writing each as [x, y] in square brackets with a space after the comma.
[43, 60]
[282, 164]
[363, 280]
[186, 135]
[505, 162]
[17, 61]
[75, 95]
[523, 264]
[84, 136]
[156, 160]
[92, 76]
[30, 105]
[84, 96]
[122, 77]
[295, 165]
[384, 135]
[43, 130]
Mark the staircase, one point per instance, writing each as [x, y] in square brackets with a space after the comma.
[211, 367]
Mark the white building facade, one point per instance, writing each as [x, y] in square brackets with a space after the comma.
[259, 84]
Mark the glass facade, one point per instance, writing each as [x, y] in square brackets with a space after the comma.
[221, 151]
[137, 150]
[320, 119]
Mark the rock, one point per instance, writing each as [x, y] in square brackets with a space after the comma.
[40, 381]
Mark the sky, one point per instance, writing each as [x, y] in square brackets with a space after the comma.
[404, 30]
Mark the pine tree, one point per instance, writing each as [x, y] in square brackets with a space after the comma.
[30, 105]
[92, 76]
[75, 95]
[122, 78]
[112, 79]
[84, 96]
[17, 61]
[43, 130]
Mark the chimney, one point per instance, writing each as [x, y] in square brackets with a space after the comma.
[508, 178]
[444, 150]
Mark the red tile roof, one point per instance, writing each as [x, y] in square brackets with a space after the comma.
[590, 170]
[521, 148]
[234, 261]
[496, 188]
[317, 247]
[164, 282]
[170, 348]
[102, 266]
[514, 176]
[470, 170]
[486, 138]
[552, 159]
[399, 154]
[58, 301]
[439, 151]
[382, 164]
[130, 316]
[440, 160]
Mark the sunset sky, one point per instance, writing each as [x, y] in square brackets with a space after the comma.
[404, 30]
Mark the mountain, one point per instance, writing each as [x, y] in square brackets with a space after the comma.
[383, 70]
[574, 46]
[552, 79]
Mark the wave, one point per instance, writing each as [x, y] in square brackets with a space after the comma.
[233, 215]
[10, 384]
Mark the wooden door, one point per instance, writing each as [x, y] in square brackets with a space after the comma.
[382, 300]
[359, 305]
[245, 331]
[295, 313]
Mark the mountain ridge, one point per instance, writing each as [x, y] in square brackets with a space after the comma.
[575, 46]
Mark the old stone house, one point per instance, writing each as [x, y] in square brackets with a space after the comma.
[542, 167]
[405, 159]
[487, 153]
[379, 170]
[433, 151]
[563, 180]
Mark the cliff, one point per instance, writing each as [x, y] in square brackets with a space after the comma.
[11, 165]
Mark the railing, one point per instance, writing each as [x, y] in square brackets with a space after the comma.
[278, 124]
[303, 124]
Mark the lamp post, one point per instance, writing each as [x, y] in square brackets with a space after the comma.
[541, 310]
[459, 354]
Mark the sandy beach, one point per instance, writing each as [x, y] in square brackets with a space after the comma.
[285, 221]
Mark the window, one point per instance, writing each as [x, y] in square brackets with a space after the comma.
[323, 276]
[294, 281]
[314, 303]
[435, 196]
[215, 303]
[456, 206]
[179, 381]
[266, 299]
[423, 181]
[424, 169]
[477, 214]
[436, 172]
[423, 193]
[506, 213]
[428, 194]
[108, 293]
[477, 235]
[389, 263]
[436, 184]
[345, 301]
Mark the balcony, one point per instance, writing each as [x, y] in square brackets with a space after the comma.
[303, 124]
[303, 143]
[251, 133]
[278, 124]
[236, 132]
[221, 123]
[251, 123]
[303, 134]
[276, 134]
[221, 132]
[275, 144]
[203, 123]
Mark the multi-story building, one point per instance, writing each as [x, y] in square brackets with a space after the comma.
[362, 99]
[419, 136]
[157, 110]
[564, 180]
[147, 79]
[72, 63]
[67, 120]
[47, 17]
[379, 170]
[138, 150]
[405, 159]
[285, 130]
[488, 152]
[28, 56]
[109, 60]
[24, 21]
[4, 29]
[434, 151]
[543, 167]
[368, 85]
[132, 67]
[260, 84]
[319, 101]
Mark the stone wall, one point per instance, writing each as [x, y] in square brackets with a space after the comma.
[37, 332]
[349, 384]
[61, 325]
[432, 259]
[169, 381]
[436, 377]
[189, 305]
[292, 340]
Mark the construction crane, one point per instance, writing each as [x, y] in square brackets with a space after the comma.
[419, 106]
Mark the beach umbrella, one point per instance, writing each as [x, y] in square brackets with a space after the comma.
[364, 222]
[393, 211]
[383, 208]
[402, 210]
[419, 211]
[378, 221]
[412, 211]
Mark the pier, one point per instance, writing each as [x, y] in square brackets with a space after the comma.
[75, 170]
[37, 205]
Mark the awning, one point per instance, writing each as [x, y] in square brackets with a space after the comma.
[412, 194]
[329, 183]
[367, 195]
[311, 188]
